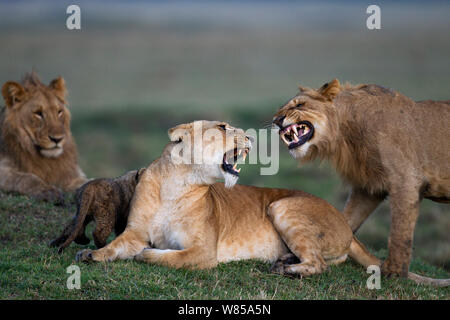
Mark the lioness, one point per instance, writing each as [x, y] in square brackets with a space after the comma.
[382, 143]
[104, 201]
[38, 156]
[191, 221]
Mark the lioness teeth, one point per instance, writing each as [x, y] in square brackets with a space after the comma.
[295, 130]
[238, 170]
[284, 139]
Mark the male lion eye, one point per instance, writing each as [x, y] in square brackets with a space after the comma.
[299, 105]
[222, 126]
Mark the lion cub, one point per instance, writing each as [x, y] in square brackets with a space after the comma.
[106, 201]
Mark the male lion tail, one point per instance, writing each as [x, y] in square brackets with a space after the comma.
[78, 222]
[360, 254]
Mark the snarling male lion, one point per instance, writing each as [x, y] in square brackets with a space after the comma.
[189, 220]
[38, 156]
[383, 144]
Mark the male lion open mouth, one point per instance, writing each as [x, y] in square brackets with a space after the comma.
[294, 135]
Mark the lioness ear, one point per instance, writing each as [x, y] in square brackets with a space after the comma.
[139, 173]
[59, 85]
[13, 93]
[330, 90]
[179, 132]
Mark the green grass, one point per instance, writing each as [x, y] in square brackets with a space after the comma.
[29, 269]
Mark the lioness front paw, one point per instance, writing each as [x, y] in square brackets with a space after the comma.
[84, 256]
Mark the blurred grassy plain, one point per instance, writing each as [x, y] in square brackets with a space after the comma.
[137, 68]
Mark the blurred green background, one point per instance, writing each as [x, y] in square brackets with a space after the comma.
[137, 68]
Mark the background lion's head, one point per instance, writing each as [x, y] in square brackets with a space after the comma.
[36, 115]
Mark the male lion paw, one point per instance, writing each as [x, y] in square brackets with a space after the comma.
[390, 269]
[84, 256]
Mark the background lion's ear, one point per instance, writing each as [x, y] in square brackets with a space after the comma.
[59, 85]
[330, 90]
[179, 132]
[13, 93]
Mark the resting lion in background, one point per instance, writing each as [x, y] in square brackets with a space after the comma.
[189, 220]
[383, 144]
[38, 156]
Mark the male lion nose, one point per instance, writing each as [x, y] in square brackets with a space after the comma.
[56, 139]
[279, 121]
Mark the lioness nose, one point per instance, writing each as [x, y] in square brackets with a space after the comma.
[56, 139]
[279, 121]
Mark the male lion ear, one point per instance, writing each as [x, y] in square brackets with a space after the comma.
[59, 85]
[13, 93]
[177, 133]
[330, 90]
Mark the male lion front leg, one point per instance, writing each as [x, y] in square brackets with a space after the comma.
[359, 206]
[404, 214]
[125, 246]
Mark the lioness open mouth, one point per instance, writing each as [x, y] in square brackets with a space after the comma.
[296, 134]
[232, 156]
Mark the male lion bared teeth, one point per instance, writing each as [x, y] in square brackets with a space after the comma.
[296, 134]
[283, 136]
